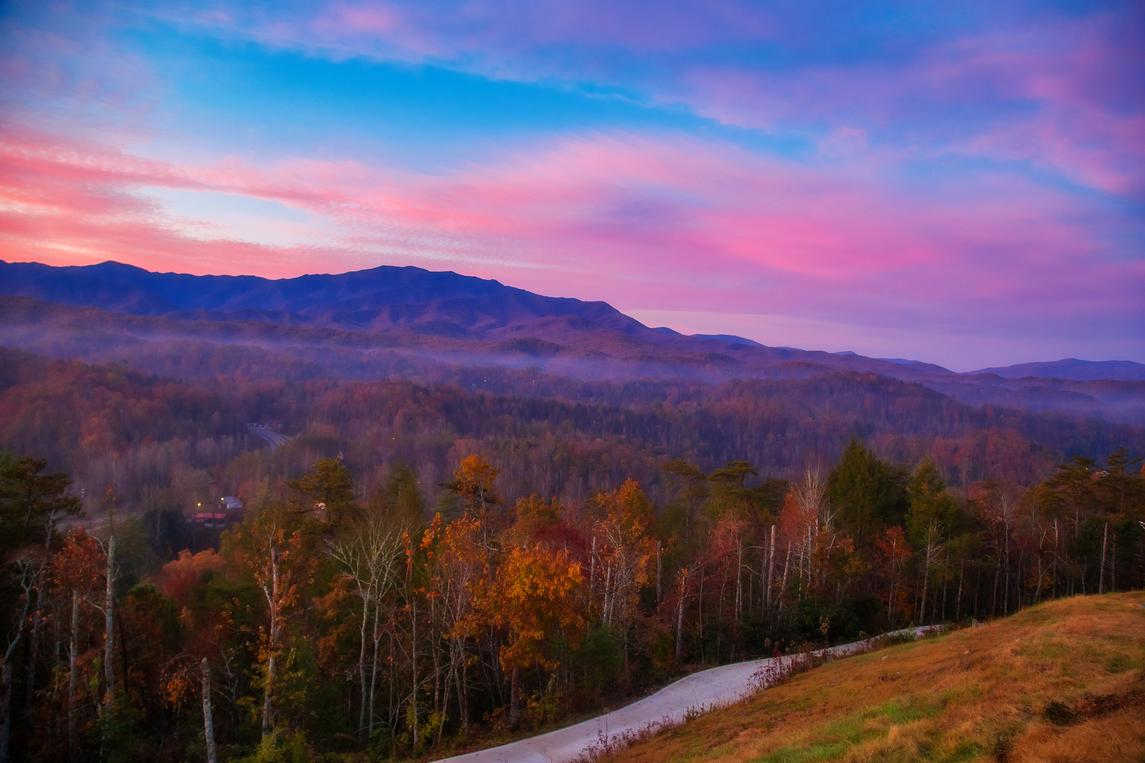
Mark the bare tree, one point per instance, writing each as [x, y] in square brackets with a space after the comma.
[368, 556]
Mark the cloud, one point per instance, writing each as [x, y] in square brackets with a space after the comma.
[644, 221]
[1055, 92]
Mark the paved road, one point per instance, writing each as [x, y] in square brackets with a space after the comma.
[269, 436]
[700, 691]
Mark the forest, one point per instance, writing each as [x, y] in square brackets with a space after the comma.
[426, 565]
[338, 623]
[167, 444]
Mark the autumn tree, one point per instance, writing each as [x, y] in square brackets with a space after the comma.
[78, 575]
[474, 484]
[534, 598]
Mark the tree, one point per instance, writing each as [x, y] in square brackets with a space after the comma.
[400, 498]
[930, 520]
[77, 571]
[473, 482]
[867, 493]
[330, 486]
[31, 503]
[368, 554]
[533, 597]
[460, 562]
[281, 564]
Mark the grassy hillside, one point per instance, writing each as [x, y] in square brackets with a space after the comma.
[1064, 681]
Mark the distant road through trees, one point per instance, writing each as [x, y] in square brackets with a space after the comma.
[269, 436]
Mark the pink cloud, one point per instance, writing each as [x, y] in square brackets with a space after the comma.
[644, 222]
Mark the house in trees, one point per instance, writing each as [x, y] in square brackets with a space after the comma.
[230, 511]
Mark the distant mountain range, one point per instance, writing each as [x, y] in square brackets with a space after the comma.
[391, 322]
[1074, 369]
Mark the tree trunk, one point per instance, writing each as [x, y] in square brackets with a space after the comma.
[1006, 570]
[891, 593]
[109, 624]
[362, 687]
[1101, 574]
[958, 598]
[658, 575]
[783, 582]
[770, 568]
[683, 577]
[374, 673]
[272, 645]
[739, 582]
[208, 716]
[435, 653]
[700, 614]
[6, 673]
[592, 570]
[514, 697]
[5, 707]
[462, 687]
[925, 583]
[1113, 566]
[413, 667]
[41, 583]
[73, 679]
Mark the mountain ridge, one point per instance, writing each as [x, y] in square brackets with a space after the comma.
[392, 321]
[1072, 369]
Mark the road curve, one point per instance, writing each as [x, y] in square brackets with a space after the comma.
[704, 690]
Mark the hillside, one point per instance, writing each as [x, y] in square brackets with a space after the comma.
[1063, 681]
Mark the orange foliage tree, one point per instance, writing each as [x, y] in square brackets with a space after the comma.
[533, 598]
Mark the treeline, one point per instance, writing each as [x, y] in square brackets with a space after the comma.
[362, 625]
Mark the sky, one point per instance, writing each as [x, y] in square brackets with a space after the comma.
[960, 183]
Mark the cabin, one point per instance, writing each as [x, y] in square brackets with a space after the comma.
[230, 511]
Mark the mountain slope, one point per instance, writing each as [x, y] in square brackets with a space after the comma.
[435, 305]
[1063, 681]
[437, 302]
[1073, 370]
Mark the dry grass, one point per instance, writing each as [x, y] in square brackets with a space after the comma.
[1064, 681]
